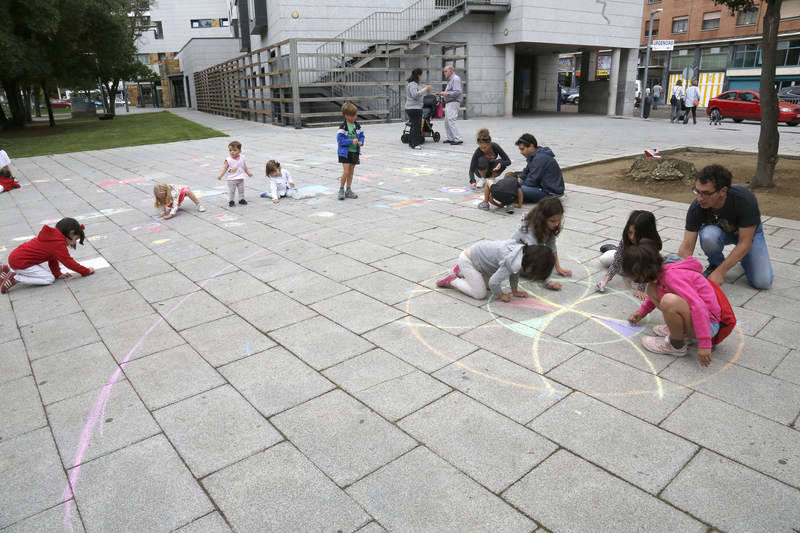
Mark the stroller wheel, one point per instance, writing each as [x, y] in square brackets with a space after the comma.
[436, 136]
[404, 138]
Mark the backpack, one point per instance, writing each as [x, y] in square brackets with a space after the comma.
[727, 320]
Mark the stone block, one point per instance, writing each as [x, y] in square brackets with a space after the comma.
[164, 286]
[226, 340]
[446, 313]
[204, 267]
[339, 267]
[409, 267]
[139, 337]
[58, 334]
[21, 410]
[320, 342]
[142, 267]
[51, 520]
[116, 308]
[272, 311]
[234, 287]
[386, 287]
[183, 312]
[13, 361]
[357, 312]
[210, 523]
[364, 251]
[781, 331]
[73, 372]
[429, 250]
[308, 287]
[789, 368]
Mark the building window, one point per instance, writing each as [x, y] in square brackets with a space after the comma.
[162, 56]
[748, 17]
[710, 21]
[143, 59]
[202, 23]
[653, 1]
[747, 56]
[647, 28]
[714, 58]
[790, 9]
[223, 23]
[788, 54]
[681, 59]
[158, 29]
[680, 24]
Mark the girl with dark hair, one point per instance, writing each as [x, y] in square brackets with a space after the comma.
[641, 225]
[488, 160]
[687, 300]
[25, 263]
[414, 94]
[485, 265]
[542, 225]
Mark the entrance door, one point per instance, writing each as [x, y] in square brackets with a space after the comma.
[524, 83]
[178, 94]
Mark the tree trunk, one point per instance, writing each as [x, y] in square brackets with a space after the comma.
[26, 101]
[768, 139]
[37, 101]
[49, 106]
[15, 104]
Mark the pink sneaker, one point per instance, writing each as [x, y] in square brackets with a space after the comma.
[662, 330]
[662, 345]
[456, 270]
[445, 282]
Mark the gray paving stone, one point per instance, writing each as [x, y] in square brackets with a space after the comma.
[636, 451]
[639, 393]
[429, 250]
[204, 267]
[386, 384]
[34, 304]
[308, 287]
[357, 312]
[139, 337]
[226, 340]
[773, 398]
[272, 311]
[58, 334]
[733, 497]
[420, 492]
[789, 368]
[566, 493]
[8, 326]
[122, 420]
[761, 444]
[215, 429]
[13, 361]
[341, 436]
[339, 267]
[142, 267]
[119, 254]
[780, 331]
[281, 490]
[31, 476]
[275, 380]
[103, 283]
[210, 523]
[183, 312]
[409, 267]
[751, 352]
[21, 410]
[505, 387]
[164, 286]
[488, 447]
[372, 527]
[234, 287]
[73, 372]
[116, 308]
[420, 344]
[50, 521]
[320, 342]
[446, 313]
[386, 287]
[166, 494]
[171, 375]
[270, 267]
[364, 251]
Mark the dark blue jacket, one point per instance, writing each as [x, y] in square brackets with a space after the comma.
[543, 172]
[345, 142]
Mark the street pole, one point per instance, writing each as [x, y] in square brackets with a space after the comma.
[647, 60]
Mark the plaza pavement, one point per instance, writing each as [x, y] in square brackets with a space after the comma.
[294, 368]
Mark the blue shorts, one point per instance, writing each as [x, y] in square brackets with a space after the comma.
[714, 328]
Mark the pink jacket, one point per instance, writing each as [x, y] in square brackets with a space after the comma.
[685, 279]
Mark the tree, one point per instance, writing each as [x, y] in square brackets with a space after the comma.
[769, 138]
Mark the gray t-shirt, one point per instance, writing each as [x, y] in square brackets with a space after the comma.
[413, 95]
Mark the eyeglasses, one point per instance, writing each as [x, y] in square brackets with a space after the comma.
[704, 194]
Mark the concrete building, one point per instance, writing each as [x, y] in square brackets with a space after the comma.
[717, 49]
[202, 26]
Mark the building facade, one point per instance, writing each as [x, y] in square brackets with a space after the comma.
[716, 49]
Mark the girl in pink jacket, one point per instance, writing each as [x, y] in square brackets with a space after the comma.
[686, 299]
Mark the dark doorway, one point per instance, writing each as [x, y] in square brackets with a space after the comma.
[178, 94]
[524, 83]
[188, 93]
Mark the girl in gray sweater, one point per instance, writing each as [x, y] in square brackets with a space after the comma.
[486, 265]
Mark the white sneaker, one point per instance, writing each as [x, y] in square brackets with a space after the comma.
[481, 183]
[201, 208]
[416, 147]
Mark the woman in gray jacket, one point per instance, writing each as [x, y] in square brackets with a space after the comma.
[414, 93]
[486, 265]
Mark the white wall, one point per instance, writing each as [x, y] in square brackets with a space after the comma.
[199, 54]
[176, 17]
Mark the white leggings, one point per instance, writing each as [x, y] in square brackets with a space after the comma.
[607, 258]
[469, 280]
[35, 275]
[233, 185]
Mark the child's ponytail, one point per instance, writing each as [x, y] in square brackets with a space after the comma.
[69, 226]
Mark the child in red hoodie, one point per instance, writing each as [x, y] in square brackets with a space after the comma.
[50, 246]
[686, 299]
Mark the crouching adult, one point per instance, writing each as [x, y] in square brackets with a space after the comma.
[541, 176]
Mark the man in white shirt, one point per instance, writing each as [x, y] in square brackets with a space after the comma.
[658, 90]
[692, 100]
[675, 101]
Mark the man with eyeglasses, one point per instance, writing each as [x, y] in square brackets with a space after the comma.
[725, 214]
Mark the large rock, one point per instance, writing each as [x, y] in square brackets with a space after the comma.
[654, 169]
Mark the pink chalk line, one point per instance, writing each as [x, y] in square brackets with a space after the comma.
[97, 414]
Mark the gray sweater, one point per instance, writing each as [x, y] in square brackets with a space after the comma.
[528, 238]
[500, 260]
[413, 95]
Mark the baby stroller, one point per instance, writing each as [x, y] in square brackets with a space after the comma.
[430, 103]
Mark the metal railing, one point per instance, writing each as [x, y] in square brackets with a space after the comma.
[289, 83]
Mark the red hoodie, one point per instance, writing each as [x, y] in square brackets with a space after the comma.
[684, 278]
[50, 246]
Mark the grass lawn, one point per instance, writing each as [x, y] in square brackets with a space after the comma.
[78, 135]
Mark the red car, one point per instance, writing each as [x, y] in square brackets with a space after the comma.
[55, 102]
[740, 105]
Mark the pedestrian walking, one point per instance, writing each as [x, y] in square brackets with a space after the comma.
[676, 101]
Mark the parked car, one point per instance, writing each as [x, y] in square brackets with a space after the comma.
[59, 103]
[790, 94]
[740, 105]
[570, 95]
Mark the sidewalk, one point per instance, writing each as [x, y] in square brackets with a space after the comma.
[295, 368]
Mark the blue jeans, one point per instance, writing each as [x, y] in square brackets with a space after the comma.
[656, 101]
[756, 264]
[533, 194]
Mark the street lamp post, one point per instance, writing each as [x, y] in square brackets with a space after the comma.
[647, 59]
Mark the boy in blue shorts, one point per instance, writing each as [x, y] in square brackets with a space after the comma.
[350, 139]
